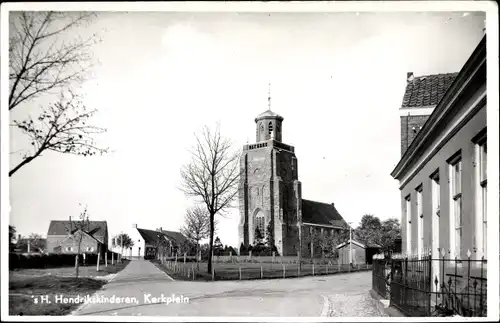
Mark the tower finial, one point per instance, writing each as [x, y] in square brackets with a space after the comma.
[269, 97]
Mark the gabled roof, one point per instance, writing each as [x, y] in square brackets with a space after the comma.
[153, 236]
[321, 213]
[353, 242]
[177, 236]
[374, 245]
[86, 233]
[427, 90]
[95, 228]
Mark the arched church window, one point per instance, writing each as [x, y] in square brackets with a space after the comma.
[261, 127]
[270, 127]
[259, 222]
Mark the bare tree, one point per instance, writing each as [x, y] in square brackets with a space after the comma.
[212, 175]
[45, 54]
[123, 240]
[62, 127]
[76, 231]
[197, 226]
[35, 242]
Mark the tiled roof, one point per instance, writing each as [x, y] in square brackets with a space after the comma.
[152, 236]
[177, 236]
[428, 90]
[321, 213]
[95, 228]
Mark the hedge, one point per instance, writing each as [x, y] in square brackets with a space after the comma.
[54, 260]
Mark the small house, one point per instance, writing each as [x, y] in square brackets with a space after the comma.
[361, 253]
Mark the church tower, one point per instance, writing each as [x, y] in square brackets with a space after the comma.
[269, 189]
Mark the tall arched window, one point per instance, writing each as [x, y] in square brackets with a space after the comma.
[259, 222]
[270, 127]
[261, 127]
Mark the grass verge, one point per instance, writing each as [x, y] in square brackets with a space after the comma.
[34, 291]
[250, 271]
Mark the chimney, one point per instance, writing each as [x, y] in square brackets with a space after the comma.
[134, 225]
[409, 77]
[159, 229]
[333, 204]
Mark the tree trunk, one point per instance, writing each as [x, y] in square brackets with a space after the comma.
[77, 262]
[76, 265]
[198, 254]
[210, 246]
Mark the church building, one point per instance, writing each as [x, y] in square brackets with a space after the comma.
[270, 195]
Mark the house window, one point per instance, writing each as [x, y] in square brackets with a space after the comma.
[270, 127]
[456, 206]
[90, 249]
[408, 224]
[481, 226]
[420, 226]
[69, 249]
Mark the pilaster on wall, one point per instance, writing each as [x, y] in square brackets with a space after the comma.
[243, 201]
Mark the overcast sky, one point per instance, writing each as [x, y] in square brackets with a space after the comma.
[338, 80]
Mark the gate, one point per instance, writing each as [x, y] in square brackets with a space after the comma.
[410, 290]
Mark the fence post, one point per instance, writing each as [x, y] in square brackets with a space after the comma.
[429, 272]
[283, 270]
[113, 258]
[106, 259]
[239, 269]
[313, 268]
[298, 271]
[327, 268]
[213, 272]
[261, 272]
[184, 258]
[98, 260]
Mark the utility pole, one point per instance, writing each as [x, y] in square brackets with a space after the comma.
[350, 244]
[121, 242]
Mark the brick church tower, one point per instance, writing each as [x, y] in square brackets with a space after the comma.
[269, 189]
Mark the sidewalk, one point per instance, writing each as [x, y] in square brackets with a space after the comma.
[134, 281]
[383, 305]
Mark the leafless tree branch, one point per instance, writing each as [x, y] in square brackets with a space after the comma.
[41, 59]
[62, 127]
[212, 175]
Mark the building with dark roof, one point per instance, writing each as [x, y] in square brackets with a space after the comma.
[421, 97]
[442, 173]
[149, 243]
[270, 198]
[62, 236]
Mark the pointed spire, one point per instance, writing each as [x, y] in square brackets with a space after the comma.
[269, 97]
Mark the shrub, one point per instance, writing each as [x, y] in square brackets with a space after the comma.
[52, 260]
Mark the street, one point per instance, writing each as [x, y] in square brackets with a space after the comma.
[147, 291]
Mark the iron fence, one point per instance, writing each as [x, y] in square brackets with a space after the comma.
[380, 278]
[425, 286]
